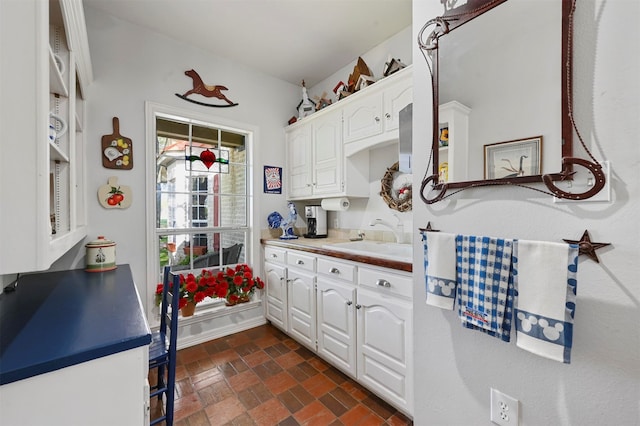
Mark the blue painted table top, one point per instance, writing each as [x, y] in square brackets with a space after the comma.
[58, 319]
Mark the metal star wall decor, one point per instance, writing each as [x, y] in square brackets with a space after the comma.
[429, 228]
[585, 246]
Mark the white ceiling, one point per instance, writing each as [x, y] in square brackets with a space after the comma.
[288, 39]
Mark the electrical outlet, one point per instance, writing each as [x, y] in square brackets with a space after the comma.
[582, 181]
[504, 409]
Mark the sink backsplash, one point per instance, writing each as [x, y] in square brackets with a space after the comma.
[343, 234]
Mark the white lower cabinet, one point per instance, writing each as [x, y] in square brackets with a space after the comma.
[290, 289]
[337, 323]
[355, 316]
[384, 346]
[276, 290]
[301, 300]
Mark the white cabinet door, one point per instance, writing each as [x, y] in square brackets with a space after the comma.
[396, 97]
[276, 289]
[363, 118]
[301, 298]
[384, 346]
[327, 154]
[336, 323]
[299, 161]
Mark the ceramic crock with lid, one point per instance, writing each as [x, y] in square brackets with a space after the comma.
[101, 255]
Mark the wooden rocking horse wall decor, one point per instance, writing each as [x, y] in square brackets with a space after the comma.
[205, 90]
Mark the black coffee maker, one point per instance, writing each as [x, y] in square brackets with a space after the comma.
[316, 222]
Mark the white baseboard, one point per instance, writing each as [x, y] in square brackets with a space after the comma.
[219, 322]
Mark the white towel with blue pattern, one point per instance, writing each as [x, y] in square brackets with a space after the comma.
[545, 303]
[484, 287]
[440, 268]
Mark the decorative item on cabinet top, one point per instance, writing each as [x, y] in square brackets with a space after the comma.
[305, 107]
[115, 196]
[117, 150]
[208, 91]
[392, 66]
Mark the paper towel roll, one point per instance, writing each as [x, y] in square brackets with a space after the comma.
[335, 204]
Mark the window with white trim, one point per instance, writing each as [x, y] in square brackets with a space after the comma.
[202, 194]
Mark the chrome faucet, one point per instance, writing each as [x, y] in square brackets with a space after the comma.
[398, 230]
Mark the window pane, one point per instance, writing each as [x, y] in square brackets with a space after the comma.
[196, 251]
[172, 210]
[234, 182]
[202, 250]
[233, 211]
[234, 244]
[171, 249]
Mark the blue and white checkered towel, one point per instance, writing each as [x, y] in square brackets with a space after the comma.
[485, 284]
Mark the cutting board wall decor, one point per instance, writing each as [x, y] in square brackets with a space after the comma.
[117, 150]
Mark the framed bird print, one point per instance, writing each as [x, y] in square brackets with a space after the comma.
[522, 157]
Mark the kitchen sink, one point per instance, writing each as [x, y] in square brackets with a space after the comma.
[383, 250]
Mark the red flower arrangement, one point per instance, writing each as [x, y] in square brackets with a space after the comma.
[233, 285]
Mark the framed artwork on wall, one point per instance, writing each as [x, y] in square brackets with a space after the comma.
[521, 157]
[272, 180]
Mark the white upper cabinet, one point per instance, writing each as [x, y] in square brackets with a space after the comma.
[327, 154]
[299, 166]
[316, 164]
[363, 118]
[372, 118]
[42, 76]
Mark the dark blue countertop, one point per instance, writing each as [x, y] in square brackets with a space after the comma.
[58, 319]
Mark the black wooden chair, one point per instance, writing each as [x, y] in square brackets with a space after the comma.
[162, 351]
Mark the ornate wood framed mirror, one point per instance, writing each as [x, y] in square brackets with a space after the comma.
[502, 98]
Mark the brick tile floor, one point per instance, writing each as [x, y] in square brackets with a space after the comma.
[262, 377]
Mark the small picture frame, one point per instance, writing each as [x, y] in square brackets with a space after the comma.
[272, 180]
[517, 158]
[443, 136]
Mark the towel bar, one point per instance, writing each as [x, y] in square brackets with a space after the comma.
[585, 245]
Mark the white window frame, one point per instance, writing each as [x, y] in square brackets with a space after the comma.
[153, 111]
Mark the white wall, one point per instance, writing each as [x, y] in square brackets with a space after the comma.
[398, 46]
[455, 367]
[133, 65]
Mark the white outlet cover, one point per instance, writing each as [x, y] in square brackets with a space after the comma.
[603, 196]
[505, 410]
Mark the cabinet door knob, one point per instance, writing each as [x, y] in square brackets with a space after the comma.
[358, 306]
[334, 270]
[274, 255]
[300, 262]
[383, 283]
[377, 119]
[349, 303]
[281, 278]
[388, 116]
